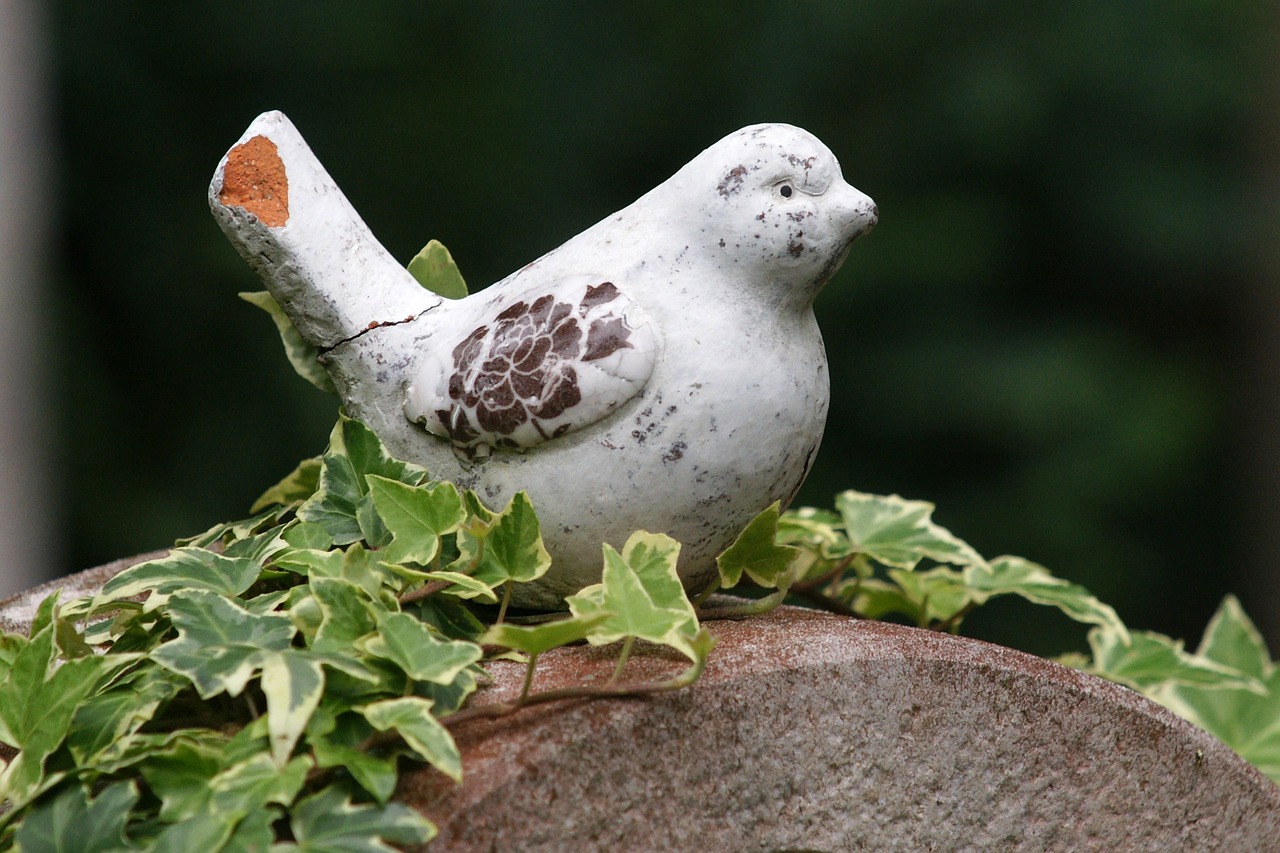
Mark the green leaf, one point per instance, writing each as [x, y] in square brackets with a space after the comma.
[817, 530]
[342, 745]
[180, 775]
[653, 557]
[342, 502]
[220, 645]
[416, 649]
[182, 569]
[632, 611]
[1247, 721]
[198, 832]
[463, 586]
[293, 683]
[936, 595]
[300, 484]
[249, 785]
[533, 640]
[898, 532]
[302, 355]
[435, 270]
[347, 614]
[103, 724]
[305, 535]
[416, 516]
[38, 700]
[254, 833]
[1150, 661]
[1016, 576]
[412, 719]
[509, 548]
[328, 822]
[756, 553]
[70, 822]
[232, 531]
[874, 598]
[355, 565]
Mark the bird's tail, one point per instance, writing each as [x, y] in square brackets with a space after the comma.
[288, 219]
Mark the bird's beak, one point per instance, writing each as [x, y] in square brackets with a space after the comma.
[853, 210]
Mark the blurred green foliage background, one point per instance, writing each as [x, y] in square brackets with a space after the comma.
[1052, 334]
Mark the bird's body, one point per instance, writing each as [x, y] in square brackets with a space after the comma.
[680, 385]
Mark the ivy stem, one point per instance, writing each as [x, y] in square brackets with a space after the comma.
[423, 591]
[826, 577]
[622, 659]
[750, 608]
[826, 602]
[528, 681]
[603, 691]
[506, 599]
[706, 593]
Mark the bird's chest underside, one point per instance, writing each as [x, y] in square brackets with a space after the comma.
[731, 384]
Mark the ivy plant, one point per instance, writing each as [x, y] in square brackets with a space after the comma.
[260, 686]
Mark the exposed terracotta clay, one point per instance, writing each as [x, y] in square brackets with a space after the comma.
[255, 181]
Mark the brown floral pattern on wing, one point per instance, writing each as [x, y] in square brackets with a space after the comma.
[522, 370]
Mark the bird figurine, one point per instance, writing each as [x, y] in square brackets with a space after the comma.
[663, 370]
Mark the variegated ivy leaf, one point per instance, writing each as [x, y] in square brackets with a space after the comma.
[1248, 721]
[935, 595]
[341, 503]
[506, 548]
[227, 792]
[39, 696]
[220, 645]
[533, 640]
[653, 557]
[105, 723]
[461, 586]
[231, 531]
[816, 527]
[304, 535]
[183, 569]
[418, 651]
[757, 554]
[70, 822]
[898, 532]
[252, 784]
[301, 355]
[631, 607]
[356, 564]
[293, 682]
[416, 516]
[328, 822]
[412, 719]
[298, 485]
[341, 741]
[347, 613]
[1016, 576]
[1147, 662]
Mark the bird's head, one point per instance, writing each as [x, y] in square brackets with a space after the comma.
[774, 205]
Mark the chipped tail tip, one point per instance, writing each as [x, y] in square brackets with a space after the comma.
[254, 180]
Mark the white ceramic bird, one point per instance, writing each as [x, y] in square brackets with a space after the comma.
[663, 370]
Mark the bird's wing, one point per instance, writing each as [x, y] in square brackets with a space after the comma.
[534, 369]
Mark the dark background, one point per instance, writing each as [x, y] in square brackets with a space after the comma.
[1059, 332]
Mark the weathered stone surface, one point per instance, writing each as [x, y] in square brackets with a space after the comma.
[16, 612]
[815, 732]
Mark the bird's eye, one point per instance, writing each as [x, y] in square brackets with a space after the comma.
[785, 190]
